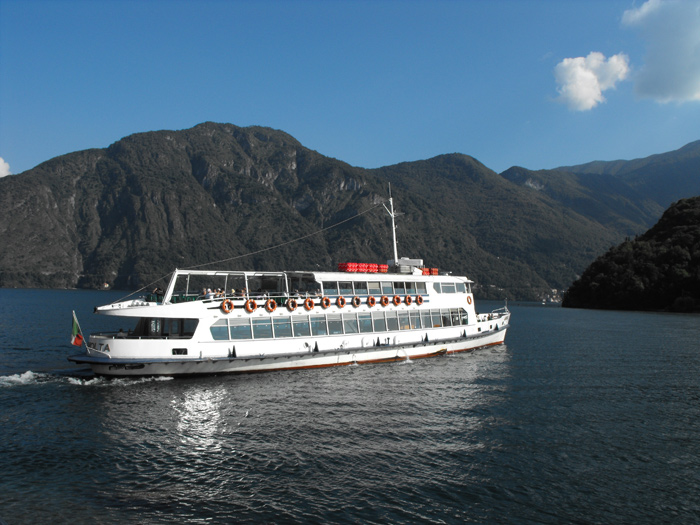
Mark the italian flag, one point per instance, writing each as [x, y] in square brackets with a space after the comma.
[76, 337]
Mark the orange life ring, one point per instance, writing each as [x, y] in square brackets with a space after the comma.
[325, 302]
[309, 304]
[271, 305]
[251, 306]
[419, 300]
[291, 304]
[408, 300]
[469, 300]
[340, 301]
[356, 301]
[227, 306]
[371, 301]
[384, 300]
[397, 300]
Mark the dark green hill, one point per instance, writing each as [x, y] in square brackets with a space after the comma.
[130, 213]
[659, 270]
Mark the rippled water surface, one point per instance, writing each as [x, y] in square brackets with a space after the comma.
[583, 417]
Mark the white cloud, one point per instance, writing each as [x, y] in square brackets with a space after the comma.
[4, 168]
[582, 80]
[671, 30]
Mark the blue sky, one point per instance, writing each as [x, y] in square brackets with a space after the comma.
[537, 84]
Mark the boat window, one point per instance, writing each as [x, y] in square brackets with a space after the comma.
[330, 288]
[365, 322]
[171, 327]
[350, 323]
[404, 323]
[283, 326]
[392, 321]
[387, 288]
[437, 320]
[345, 287]
[219, 330]
[240, 328]
[420, 288]
[379, 321]
[461, 288]
[301, 326]
[262, 328]
[415, 320]
[446, 319]
[374, 288]
[454, 314]
[436, 286]
[463, 316]
[189, 326]
[360, 288]
[425, 319]
[335, 324]
[410, 288]
[399, 288]
[448, 287]
[318, 325]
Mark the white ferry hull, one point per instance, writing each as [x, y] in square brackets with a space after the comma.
[106, 366]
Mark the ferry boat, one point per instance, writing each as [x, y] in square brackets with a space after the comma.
[212, 322]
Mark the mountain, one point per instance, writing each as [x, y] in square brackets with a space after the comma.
[659, 270]
[663, 178]
[126, 215]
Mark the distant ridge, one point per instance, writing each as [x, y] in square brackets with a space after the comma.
[125, 215]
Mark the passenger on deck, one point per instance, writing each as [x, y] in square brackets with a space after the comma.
[209, 294]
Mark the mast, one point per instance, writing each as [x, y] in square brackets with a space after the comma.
[390, 211]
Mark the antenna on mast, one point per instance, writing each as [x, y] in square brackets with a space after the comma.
[390, 211]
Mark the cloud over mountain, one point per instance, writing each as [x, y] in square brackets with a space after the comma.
[582, 80]
[671, 30]
[4, 168]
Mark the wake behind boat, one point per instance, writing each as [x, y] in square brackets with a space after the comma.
[209, 322]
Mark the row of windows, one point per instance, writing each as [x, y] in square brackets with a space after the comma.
[335, 324]
[388, 288]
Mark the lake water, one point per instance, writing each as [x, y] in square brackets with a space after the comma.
[583, 417]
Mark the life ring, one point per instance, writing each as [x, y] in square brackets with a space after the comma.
[309, 304]
[340, 301]
[469, 300]
[384, 300]
[356, 301]
[408, 300]
[325, 302]
[397, 300]
[227, 306]
[371, 301]
[271, 305]
[251, 306]
[419, 300]
[291, 304]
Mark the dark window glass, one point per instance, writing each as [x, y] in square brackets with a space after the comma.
[415, 320]
[240, 329]
[335, 324]
[283, 326]
[374, 288]
[379, 321]
[345, 288]
[392, 321]
[330, 288]
[301, 326]
[437, 320]
[399, 288]
[262, 328]
[219, 330]
[361, 288]
[387, 288]
[350, 323]
[365, 322]
[318, 325]
[404, 323]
